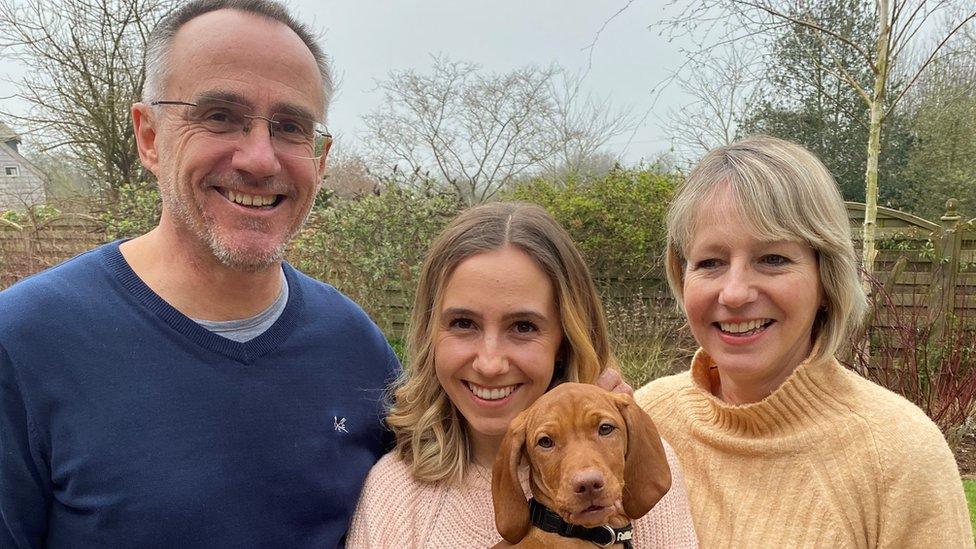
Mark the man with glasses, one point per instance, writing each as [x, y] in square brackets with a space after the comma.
[188, 388]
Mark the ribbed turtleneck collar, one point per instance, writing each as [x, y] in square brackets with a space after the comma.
[813, 392]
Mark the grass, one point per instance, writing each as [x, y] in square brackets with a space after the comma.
[970, 486]
[641, 361]
[647, 339]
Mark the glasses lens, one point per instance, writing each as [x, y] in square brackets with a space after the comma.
[296, 135]
[221, 118]
[293, 129]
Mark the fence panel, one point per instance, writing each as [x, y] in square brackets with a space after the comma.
[27, 249]
[929, 267]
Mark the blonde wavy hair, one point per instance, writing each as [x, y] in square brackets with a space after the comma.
[430, 432]
[782, 192]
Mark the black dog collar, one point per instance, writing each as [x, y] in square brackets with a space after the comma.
[547, 520]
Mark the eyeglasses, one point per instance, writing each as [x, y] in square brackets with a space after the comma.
[291, 134]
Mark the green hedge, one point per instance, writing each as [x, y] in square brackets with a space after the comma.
[617, 220]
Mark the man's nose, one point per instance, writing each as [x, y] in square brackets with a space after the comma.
[255, 152]
[738, 287]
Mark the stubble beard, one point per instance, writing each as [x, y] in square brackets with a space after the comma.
[205, 229]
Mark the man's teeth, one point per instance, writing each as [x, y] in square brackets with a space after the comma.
[743, 327]
[491, 394]
[250, 199]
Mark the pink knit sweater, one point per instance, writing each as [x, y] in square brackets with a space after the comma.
[395, 510]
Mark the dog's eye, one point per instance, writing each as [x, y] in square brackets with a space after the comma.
[545, 442]
[606, 429]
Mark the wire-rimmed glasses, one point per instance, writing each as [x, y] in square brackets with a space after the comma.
[292, 134]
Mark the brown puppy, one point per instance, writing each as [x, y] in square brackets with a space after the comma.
[595, 458]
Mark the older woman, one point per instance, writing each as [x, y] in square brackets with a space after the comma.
[505, 310]
[782, 446]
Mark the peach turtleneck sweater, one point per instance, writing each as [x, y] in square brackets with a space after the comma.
[829, 459]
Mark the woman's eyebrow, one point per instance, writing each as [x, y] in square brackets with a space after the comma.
[524, 314]
[458, 311]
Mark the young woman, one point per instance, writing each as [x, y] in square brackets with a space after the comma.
[505, 310]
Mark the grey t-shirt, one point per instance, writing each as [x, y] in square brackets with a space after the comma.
[246, 329]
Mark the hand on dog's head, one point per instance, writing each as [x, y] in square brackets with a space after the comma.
[593, 456]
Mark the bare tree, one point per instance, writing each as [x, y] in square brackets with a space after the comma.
[478, 132]
[348, 174]
[85, 70]
[723, 89]
[582, 127]
[899, 26]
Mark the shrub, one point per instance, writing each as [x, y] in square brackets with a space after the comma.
[32, 216]
[930, 359]
[616, 220]
[134, 213]
[649, 336]
[618, 223]
[371, 248]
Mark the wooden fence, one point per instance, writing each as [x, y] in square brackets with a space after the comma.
[38, 244]
[928, 268]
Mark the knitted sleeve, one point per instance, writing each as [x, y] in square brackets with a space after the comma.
[371, 501]
[923, 504]
[25, 489]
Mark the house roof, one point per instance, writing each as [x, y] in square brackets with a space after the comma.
[17, 157]
[7, 134]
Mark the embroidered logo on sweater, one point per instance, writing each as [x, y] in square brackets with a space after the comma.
[339, 423]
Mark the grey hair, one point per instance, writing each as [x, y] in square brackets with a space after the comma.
[161, 39]
[782, 192]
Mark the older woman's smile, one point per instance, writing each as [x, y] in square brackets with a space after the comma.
[744, 328]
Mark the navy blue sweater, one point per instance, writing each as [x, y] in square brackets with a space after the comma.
[125, 424]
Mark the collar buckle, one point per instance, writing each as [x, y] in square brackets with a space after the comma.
[611, 536]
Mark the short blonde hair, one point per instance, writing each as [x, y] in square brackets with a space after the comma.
[782, 192]
[430, 431]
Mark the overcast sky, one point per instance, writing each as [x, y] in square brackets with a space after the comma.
[368, 38]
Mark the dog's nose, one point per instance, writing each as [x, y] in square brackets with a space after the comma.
[588, 481]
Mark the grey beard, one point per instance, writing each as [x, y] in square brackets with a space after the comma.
[243, 261]
[246, 262]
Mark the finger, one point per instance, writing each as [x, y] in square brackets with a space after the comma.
[624, 387]
[609, 379]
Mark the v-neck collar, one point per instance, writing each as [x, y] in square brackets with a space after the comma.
[245, 353]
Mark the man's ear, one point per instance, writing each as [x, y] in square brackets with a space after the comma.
[144, 125]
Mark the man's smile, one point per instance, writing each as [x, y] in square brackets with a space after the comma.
[256, 201]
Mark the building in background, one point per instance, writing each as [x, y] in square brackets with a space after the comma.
[21, 183]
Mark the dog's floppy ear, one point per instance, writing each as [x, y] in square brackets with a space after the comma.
[647, 476]
[511, 507]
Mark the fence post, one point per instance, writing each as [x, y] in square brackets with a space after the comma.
[948, 251]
